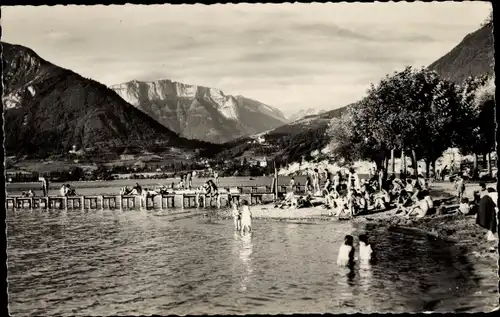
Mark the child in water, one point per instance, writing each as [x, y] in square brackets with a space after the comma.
[246, 217]
[365, 249]
[236, 217]
[346, 252]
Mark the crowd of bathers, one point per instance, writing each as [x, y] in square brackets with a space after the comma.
[346, 194]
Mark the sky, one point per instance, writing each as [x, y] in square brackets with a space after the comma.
[289, 56]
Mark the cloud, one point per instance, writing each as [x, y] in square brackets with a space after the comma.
[286, 55]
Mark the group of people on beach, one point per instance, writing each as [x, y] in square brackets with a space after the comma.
[346, 194]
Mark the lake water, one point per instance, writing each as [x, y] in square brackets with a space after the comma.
[113, 187]
[141, 263]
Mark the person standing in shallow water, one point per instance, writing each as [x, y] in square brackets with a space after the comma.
[246, 217]
[236, 216]
[346, 252]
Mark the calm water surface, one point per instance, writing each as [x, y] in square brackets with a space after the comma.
[138, 262]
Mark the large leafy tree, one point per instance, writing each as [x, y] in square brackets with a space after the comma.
[409, 110]
[476, 128]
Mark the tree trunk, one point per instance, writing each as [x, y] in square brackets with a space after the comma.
[414, 162]
[427, 168]
[475, 161]
[490, 171]
[393, 162]
[434, 169]
[484, 161]
[403, 162]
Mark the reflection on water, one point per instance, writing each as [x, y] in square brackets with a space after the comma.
[139, 262]
[244, 242]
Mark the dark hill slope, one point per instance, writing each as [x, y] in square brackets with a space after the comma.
[289, 142]
[473, 56]
[48, 109]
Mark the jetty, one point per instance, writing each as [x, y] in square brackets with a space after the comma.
[180, 199]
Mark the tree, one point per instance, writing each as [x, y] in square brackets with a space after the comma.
[477, 131]
[410, 110]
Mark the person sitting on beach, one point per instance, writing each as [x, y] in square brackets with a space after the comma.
[70, 191]
[474, 204]
[465, 207]
[28, 193]
[138, 189]
[365, 249]
[330, 199]
[289, 201]
[63, 191]
[409, 186]
[304, 201]
[342, 204]
[181, 183]
[403, 201]
[236, 216]
[246, 217]
[423, 206]
[382, 200]
[346, 252]
[360, 205]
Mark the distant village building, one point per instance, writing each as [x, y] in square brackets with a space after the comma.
[74, 151]
[127, 157]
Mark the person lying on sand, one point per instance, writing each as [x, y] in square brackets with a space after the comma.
[304, 201]
[289, 201]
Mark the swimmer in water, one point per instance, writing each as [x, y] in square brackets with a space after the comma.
[346, 252]
[365, 249]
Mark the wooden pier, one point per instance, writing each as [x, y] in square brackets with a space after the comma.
[166, 201]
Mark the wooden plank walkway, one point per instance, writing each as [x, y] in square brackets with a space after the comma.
[166, 201]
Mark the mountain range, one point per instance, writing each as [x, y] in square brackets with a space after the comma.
[49, 109]
[201, 113]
